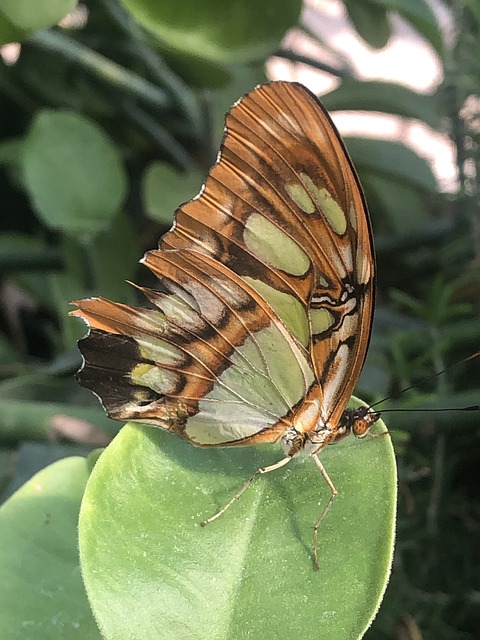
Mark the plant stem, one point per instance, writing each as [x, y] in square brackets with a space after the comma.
[101, 67]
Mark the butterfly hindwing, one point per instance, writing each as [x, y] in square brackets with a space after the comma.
[210, 361]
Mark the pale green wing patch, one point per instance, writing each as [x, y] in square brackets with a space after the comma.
[300, 197]
[272, 245]
[286, 363]
[287, 307]
[321, 320]
[219, 423]
[244, 403]
[282, 375]
[329, 207]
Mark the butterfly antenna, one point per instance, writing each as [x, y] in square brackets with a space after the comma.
[474, 407]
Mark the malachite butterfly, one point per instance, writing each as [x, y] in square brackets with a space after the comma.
[259, 327]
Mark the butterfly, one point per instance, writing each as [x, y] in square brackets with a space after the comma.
[260, 324]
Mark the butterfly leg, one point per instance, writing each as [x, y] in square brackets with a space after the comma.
[325, 511]
[378, 435]
[258, 472]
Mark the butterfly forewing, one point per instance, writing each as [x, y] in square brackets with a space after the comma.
[266, 287]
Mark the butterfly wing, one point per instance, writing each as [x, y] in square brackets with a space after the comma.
[284, 209]
[266, 287]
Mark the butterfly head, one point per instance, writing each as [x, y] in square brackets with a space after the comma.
[360, 420]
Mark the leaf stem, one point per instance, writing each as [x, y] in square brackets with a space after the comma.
[100, 66]
[287, 54]
[162, 137]
[161, 72]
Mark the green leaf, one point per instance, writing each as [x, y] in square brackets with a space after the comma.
[11, 151]
[8, 31]
[36, 14]
[73, 173]
[198, 73]
[420, 16]
[399, 206]
[393, 159]
[32, 457]
[10, 359]
[21, 252]
[41, 590]
[243, 79]
[370, 20]
[222, 31]
[8, 458]
[164, 190]
[249, 574]
[115, 257]
[387, 97]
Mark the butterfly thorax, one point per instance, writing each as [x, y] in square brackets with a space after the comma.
[310, 432]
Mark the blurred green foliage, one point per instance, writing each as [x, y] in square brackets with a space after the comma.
[109, 121]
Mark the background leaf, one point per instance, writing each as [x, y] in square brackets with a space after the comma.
[229, 32]
[8, 31]
[420, 15]
[385, 97]
[404, 206]
[73, 172]
[392, 159]
[35, 14]
[370, 20]
[41, 590]
[164, 189]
